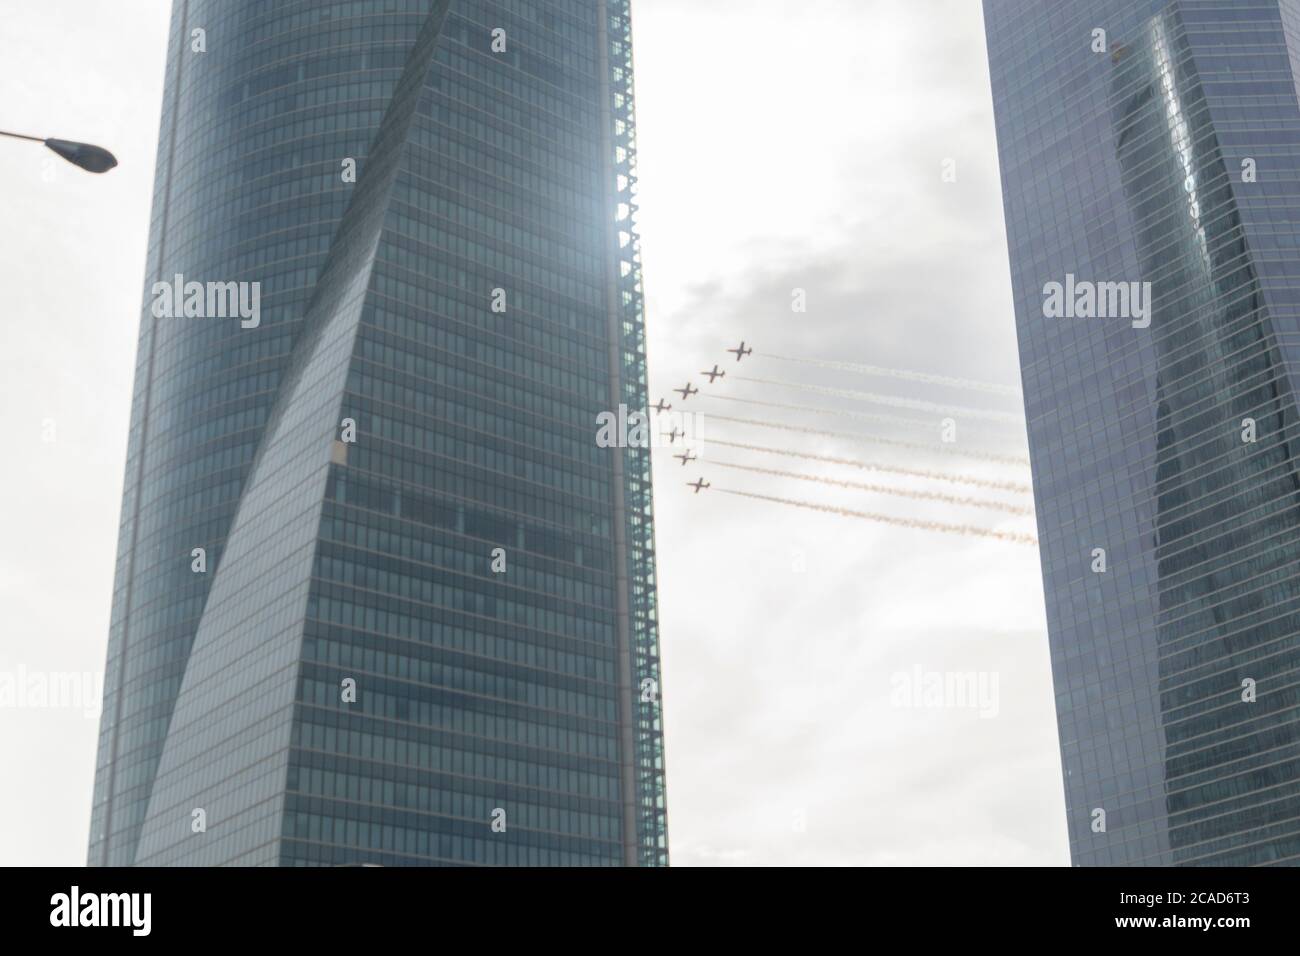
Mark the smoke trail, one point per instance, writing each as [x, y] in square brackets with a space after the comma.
[875, 440]
[839, 413]
[1003, 417]
[893, 469]
[928, 423]
[966, 383]
[970, 531]
[881, 489]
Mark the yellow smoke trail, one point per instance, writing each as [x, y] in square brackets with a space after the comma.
[881, 489]
[970, 531]
[967, 383]
[1003, 417]
[893, 469]
[875, 440]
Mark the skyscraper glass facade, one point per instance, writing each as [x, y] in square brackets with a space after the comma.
[422, 626]
[1157, 142]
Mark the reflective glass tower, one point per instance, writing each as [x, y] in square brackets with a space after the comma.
[1156, 142]
[380, 598]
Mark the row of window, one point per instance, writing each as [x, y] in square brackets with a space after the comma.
[437, 797]
[442, 550]
[484, 760]
[452, 630]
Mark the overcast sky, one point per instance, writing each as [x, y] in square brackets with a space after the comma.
[782, 145]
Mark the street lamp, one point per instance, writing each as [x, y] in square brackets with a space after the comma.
[93, 159]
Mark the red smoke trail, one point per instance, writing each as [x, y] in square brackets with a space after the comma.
[881, 489]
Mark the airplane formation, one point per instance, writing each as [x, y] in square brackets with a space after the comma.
[741, 351]
[686, 391]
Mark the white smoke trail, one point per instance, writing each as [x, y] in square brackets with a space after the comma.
[837, 412]
[893, 469]
[928, 423]
[1005, 418]
[880, 489]
[969, 531]
[967, 383]
[876, 440]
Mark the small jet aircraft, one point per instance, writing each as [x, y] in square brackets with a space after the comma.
[662, 407]
[687, 392]
[740, 351]
[685, 456]
[698, 485]
[714, 374]
[672, 436]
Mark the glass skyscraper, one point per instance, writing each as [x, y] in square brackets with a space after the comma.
[380, 598]
[1157, 144]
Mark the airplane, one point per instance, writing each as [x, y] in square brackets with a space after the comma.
[672, 436]
[714, 374]
[685, 457]
[687, 392]
[699, 485]
[662, 407]
[740, 352]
